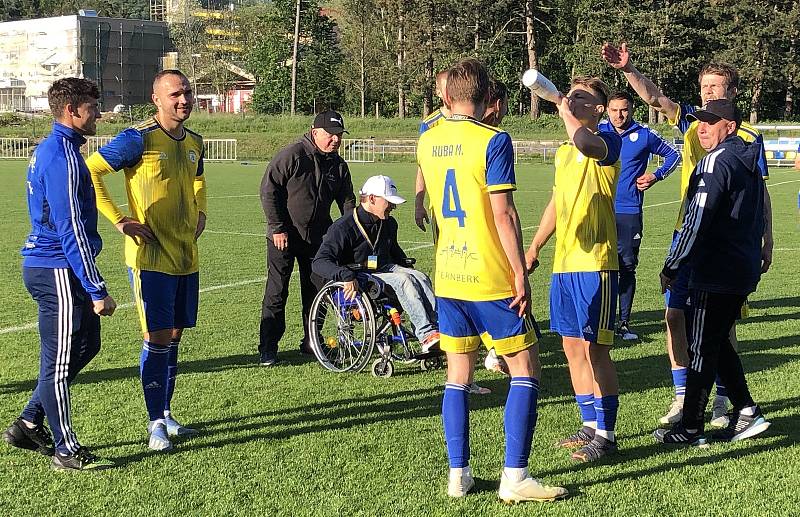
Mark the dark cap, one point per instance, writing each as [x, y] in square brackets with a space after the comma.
[330, 121]
[715, 110]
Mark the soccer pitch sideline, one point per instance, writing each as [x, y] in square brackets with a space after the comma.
[297, 440]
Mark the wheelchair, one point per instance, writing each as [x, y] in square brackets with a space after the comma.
[345, 333]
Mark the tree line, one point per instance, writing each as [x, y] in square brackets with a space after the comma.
[369, 57]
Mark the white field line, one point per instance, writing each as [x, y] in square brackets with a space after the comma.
[29, 326]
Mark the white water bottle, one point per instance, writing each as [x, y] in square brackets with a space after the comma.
[541, 86]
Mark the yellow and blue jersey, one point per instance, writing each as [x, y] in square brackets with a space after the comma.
[584, 189]
[166, 191]
[463, 161]
[432, 120]
[693, 152]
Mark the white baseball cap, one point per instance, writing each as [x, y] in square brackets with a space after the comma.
[382, 186]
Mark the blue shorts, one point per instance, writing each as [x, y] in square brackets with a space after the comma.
[677, 296]
[584, 305]
[165, 301]
[464, 324]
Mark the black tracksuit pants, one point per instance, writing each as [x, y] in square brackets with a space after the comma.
[280, 264]
[708, 324]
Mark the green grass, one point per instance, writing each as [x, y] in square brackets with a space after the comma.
[296, 440]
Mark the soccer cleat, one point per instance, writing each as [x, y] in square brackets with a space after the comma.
[675, 413]
[742, 427]
[582, 437]
[460, 482]
[159, 438]
[267, 359]
[431, 342]
[475, 389]
[81, 459]
[624, 331]
[528, 489]
[174, 428]
[678, 435]
[36, 439]
[594, 450]
[719, 413]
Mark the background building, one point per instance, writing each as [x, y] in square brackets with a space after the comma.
[121, 55]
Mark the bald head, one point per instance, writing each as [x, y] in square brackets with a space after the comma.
[173, 96]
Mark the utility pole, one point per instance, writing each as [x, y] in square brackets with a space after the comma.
[294, 56]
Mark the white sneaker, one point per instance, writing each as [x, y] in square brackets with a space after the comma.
[675, 413]
[528, 489]
[174, 428]
[476, 389]
[719, 413]
[159, 440]
[460, 482]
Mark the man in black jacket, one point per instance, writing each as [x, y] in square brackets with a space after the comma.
[300, 184]
[368, 236]
[721, 240]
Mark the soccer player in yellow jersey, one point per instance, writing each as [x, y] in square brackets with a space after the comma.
[432, 120]
[166, 186]
[716, 81]
[481, 286]
[583, 290]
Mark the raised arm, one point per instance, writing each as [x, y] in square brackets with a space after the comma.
[587, 142]
[619, 58]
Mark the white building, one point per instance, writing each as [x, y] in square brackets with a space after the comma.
[121, 55]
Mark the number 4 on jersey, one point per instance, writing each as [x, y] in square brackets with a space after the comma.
[451, 197]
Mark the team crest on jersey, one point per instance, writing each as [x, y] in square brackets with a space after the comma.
[634, 137]
[162, 156]
[192, 156]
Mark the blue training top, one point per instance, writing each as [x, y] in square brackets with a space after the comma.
[638, 143]
[62, 210]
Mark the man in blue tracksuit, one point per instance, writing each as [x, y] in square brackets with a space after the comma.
[638, 143]
[720, 240]
[60, 273]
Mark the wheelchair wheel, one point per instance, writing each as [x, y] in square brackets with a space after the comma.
[431, 363]
[343, 331]
[382, 368]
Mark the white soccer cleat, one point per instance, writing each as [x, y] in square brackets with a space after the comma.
[459, 482]
[174, 428]
[719, 413]
[675, 413]
[159, 439]
[529, 489]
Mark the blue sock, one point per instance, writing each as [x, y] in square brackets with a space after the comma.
[606, 409]
[520, 420]
[722, 391]
[455, 416]
[172, 371]
[153, 369]
[586, 407]
[679, 380]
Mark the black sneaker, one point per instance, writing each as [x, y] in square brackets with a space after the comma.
[742, 426]
[37, 439]
[624, 331]
[267, 359]
[594, 450]
[679, 435]
[81, 459]
[582, 437]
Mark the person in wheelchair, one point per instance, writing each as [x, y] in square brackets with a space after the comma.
[368, 237]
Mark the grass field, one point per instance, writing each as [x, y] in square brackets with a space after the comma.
[297, 440]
